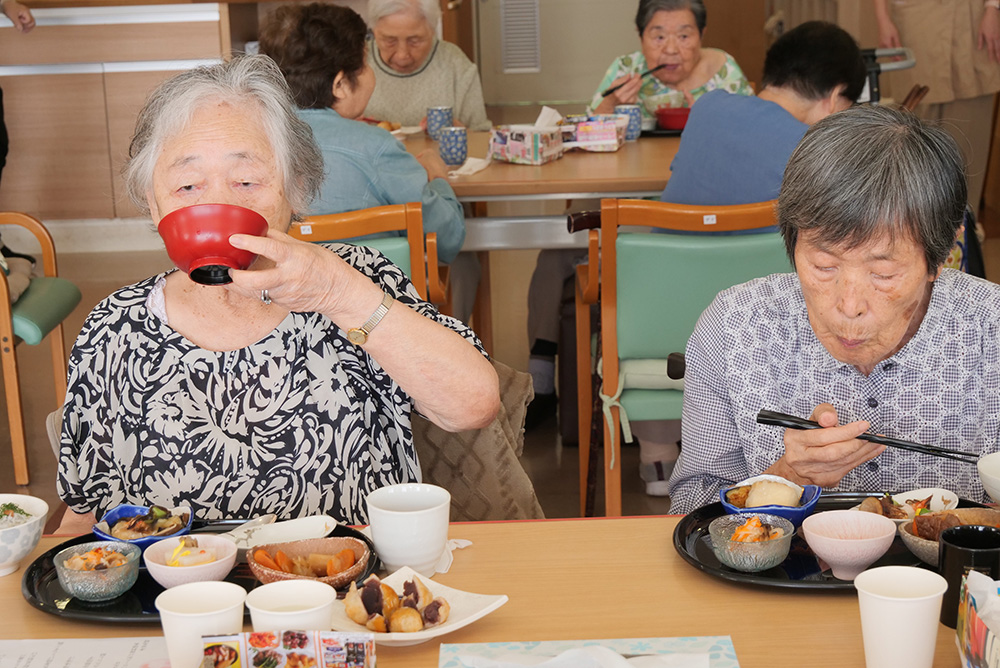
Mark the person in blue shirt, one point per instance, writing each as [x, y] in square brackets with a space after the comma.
[734, 147]
[320, 48]
[734, 150]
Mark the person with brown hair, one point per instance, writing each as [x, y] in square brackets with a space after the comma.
[320, 49]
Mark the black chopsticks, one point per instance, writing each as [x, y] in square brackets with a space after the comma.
[644, 74]
[793, 422]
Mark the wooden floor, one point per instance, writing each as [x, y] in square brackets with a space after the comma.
[552, 466]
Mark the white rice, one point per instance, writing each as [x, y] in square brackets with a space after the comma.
[8, 521]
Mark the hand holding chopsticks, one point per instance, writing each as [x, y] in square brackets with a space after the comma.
[611, 90]
[794, 422]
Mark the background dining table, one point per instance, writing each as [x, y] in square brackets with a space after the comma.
[584, 579]
[636, 170]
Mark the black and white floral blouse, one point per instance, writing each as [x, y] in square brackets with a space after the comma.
[300, 422]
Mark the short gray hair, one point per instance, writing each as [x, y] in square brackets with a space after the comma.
[648, 8]
[247, 81]
[871, 171]
[430, 10]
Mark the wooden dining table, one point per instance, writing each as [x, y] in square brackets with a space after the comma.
[584, 579]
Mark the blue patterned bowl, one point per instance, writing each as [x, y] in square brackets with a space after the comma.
[794, 514]
[103, 531]
[17, 542]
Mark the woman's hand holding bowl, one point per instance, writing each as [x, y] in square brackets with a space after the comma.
[305, 277]
[627, 94]
[824, 456]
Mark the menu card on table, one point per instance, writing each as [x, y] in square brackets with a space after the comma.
[85, 653]
[690, 652]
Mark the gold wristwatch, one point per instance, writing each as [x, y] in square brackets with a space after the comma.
[359, 335]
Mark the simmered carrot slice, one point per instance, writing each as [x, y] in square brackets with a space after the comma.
[264, 559]
[347, 558]
[284, 563]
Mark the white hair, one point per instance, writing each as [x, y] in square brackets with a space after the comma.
[429, 10]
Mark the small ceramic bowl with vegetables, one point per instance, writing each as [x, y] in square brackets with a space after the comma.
[178, 560]
[99, 570]
[22, 518]
[143, 525]
[772, 495]
[337, 561]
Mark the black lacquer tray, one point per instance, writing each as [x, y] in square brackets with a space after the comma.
[40, 585]
[801, 569]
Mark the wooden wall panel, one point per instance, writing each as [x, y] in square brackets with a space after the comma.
[126, 92]
[58, 165]
[47, 45]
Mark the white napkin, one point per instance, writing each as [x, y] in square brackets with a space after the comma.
[470, 167]
[444, 563]
[407, 130]
[593, 656]
[548, 117]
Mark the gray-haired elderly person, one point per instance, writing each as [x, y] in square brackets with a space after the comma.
[414, 70]
[670, 33]
[263, 395]
[868, 334]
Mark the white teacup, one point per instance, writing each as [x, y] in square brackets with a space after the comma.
[409, 524]
[303, 605]
[189, 611]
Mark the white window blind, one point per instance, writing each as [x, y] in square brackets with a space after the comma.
[519, 34]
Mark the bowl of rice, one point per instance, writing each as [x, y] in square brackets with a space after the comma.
[22, 518]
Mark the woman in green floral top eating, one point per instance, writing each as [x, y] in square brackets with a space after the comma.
[670, 31]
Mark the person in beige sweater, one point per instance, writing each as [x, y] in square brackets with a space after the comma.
[415, 70]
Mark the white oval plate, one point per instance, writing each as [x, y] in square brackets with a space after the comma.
[314, 526]
[466, 608]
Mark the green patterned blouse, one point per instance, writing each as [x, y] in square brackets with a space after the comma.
[655, 94]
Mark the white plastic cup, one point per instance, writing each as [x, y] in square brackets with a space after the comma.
[303, 605]
[190, 611]
[409, 524]
[900, 606]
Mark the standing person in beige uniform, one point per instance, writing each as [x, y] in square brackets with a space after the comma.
[957, 48]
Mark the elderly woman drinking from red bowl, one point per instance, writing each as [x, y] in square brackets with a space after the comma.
[288, 390]
[670, 32]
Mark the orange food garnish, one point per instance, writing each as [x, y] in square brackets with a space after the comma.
[755, 531]
[264, 559]
[284, 563]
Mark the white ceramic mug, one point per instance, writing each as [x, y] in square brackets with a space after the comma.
[303, 605]
[409, 524]
[899, 615]
[189, 611]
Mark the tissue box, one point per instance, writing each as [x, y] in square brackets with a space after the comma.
[604, 132]
[526, 144]
[978, 646]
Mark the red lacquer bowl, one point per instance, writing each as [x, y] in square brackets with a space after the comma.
[673, 118]
[197, 240]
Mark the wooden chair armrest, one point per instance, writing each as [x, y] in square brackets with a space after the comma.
[44, 238]
[587, 280]
[437, 274]
[583, 220]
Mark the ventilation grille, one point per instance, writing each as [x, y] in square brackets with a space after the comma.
[520, 36]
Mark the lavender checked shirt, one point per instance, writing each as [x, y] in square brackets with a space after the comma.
[753, 348]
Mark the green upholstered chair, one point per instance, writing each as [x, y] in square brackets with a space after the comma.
[652, 289]
[38, 312]
[406, 252]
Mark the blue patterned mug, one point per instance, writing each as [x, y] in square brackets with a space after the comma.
[453, 145]
[634, 120]
[437, 118]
